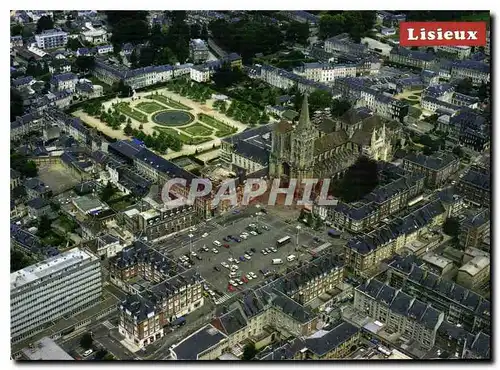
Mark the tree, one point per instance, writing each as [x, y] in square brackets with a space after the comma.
[86, 341]
[44, 226]
[26, 167]
[451, 227]
[297, 32]
[204, 33]
[16, 30]
[465, 86]
[360, 179]
[84, 63]
[107, 192]
[133, 59]
[249, 352]
[195, 31]
[16, 105]
[319, 100]
[73, 44]
[458, 151]
[18, 260]
[44, 23]
[339, 107]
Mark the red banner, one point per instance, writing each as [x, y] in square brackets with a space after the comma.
[442, 33]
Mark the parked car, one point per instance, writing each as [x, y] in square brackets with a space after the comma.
[225, 264]
[273, 249]
[265, 227]
[242, 259]
[215, 250]
[87, 353]
[226, 239]
[199, 258]
[216, 268]
[247, 257]
[253, 233]
[264, 252]
[253, 250]
[253, 274]
[204, 235]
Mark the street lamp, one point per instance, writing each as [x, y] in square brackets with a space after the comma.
[298, 230]
[190, 244]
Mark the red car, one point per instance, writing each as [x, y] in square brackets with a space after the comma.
[230, 288]
[244, 279]
[226, 245]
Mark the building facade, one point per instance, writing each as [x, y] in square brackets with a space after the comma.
[51, 39]
[49, 290]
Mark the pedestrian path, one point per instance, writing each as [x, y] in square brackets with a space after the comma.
[224, 298]
[108, 325]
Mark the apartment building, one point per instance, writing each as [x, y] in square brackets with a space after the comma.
[139, 260]
[436, 168]
[144, 316]
[312, 279]
[363, 254]
[207, 343]
[63, 82]
[475, 274]
[387, 199]
[474, 228]
[342, 43]
[412, 58]
[460, 305]
[51, 39]
[469, 128]
[135, 78]
[400, 312]
[326, 344]
[15, 179]
[200, 74]
[324, 72]
[475, 186]
[198, 51]
[57, 287]
[478, 72]
[460, 52]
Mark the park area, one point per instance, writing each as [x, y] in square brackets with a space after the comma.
[161, 115]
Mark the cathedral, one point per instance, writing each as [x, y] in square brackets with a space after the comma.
[325, 147]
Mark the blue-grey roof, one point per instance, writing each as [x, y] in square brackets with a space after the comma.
[477, 178]
[414, 54]
[64, 77]
[332, 339]
[126, 148]
[436, 161]
[203, 339]
[38, 203]
[162, 165]
[472, 65]
[21, 81]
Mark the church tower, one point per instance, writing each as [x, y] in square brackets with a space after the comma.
[302, 145]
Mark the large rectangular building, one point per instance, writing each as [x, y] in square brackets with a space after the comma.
[51, 39]
[51, 289]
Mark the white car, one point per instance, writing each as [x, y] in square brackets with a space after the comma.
[244, 237]
[239, 282]
[225, 264]
[215, 250]
[212, 293]
[193, 254]
[205, 248]
[264, 252]
[249, 277]
[234, 267]
[231, 259]
[87, 353]
[244, 233]
[232, 282]
[204, 235]
[273, 249]
[247, 257]
[254, 275]
[232, 275]
[253, 233]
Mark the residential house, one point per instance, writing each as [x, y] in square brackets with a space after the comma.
[436, 168]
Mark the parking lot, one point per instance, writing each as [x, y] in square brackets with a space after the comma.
[234, 224]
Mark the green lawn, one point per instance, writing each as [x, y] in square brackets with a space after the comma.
[168, 102]
[198, 129]
[183, 137]
[132, 113]
[149, 107]
[222, 128]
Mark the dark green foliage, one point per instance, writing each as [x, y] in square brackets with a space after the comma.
[360, 179]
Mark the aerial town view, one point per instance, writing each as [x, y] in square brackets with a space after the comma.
[250, 185]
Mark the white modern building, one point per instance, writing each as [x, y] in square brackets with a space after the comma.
[324, 72]
[51, 39]
[57, 287]
[461, 52]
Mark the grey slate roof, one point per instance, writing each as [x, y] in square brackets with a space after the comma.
[200, 341]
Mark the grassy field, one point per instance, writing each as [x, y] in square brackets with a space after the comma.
[186, 139]
[485, 17]
[222, 128]
[168, 102]
[132, 113]
[149, 107]
[198, 129]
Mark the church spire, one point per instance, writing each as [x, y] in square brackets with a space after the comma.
[304, 121]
